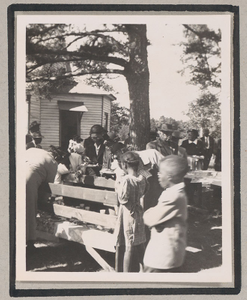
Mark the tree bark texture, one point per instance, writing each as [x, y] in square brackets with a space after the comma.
[137, 76]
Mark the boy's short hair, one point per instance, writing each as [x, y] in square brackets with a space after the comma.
[177, 167]
[130, 158]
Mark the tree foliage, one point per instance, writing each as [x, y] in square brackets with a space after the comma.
[179, 125]
[117, 49]
[120, 116]
[205, 112]
[202, 58]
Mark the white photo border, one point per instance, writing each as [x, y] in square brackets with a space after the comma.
[177, 280]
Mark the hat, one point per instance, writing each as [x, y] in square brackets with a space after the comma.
[165, 128]
[176, 134]
[34, 127]
[97, 129]
[36, 135]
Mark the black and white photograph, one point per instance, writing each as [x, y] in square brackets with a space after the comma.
[124, 147]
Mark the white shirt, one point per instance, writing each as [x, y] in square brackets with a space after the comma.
[207, 141]
[193, 142]
[97, 148]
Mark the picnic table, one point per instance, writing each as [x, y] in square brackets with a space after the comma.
[196, 180]
[85, 211]
[205, 177]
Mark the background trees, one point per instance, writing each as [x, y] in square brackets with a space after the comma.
[181, 126]
[202, 61]
[56, 53]
[120, 120]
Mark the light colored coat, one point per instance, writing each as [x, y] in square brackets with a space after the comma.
[167, 220]
[40, 168]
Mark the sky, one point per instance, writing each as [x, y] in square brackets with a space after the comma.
[169, 91]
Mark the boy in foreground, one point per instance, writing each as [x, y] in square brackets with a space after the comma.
[165, 251]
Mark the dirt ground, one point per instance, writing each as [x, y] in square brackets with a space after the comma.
[204, 249]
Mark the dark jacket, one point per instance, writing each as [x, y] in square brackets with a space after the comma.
[161, 146]
[166, 148]
[91, 152]
[193, 149]
[211, 144]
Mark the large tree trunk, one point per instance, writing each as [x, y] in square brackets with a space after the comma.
[137, 75]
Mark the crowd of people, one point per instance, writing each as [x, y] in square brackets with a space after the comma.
[152, 212]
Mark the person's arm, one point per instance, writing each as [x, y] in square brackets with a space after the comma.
[51, 172]
[123, 192]
[162, 212]
[150, 146]
[183, 145]
[200, 148]
[106, 159]
[212, 143]
[184, 153]
[147, 186]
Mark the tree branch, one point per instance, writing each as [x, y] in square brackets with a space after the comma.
[32, 68]
[105, 71]
[109, 59]
[192, 30]
[82, 35]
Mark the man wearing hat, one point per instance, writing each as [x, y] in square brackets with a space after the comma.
[161, 144]
[34, 138]
[34, 127]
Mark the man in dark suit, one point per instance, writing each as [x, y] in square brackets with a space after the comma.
[95, 147]
[208, 146]
[193, 145]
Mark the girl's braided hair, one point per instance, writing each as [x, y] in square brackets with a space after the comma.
[131, 159]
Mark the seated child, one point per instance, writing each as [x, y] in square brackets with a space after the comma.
[167, 220]
[130, 228]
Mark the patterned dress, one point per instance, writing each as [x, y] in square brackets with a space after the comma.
[130, 229]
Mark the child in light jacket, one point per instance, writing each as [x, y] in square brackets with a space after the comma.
[167, 220]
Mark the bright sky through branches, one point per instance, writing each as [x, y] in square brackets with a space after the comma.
[169, 92]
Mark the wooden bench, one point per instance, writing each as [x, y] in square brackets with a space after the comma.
[97, 229]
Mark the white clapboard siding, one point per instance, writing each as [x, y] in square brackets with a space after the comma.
[34, 108]
[49, 122]
[46, 111]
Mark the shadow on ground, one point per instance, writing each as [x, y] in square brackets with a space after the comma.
[204, 252]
